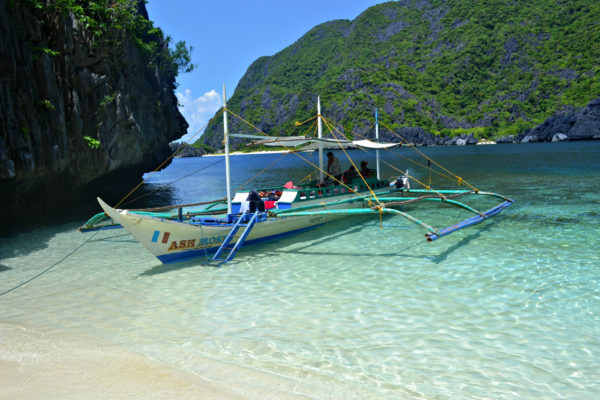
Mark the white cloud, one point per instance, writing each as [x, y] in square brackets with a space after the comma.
[197, 111]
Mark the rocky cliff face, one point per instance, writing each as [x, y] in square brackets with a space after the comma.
[76, 117]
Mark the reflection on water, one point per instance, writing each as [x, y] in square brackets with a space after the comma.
[151, 195]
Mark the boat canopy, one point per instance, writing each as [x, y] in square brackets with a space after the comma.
[312, 143]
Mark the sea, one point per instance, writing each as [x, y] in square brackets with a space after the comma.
[363, 308]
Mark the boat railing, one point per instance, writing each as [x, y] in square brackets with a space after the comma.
[309, 192]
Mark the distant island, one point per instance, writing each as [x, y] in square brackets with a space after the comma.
[182, 149]
[439, 73]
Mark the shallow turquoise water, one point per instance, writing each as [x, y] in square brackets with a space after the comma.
[507, 309]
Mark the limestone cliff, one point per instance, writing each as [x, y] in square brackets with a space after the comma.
[569, 124]
[77, 116]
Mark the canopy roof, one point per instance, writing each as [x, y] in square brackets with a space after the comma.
[311, 143]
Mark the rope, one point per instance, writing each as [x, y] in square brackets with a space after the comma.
[413, 178]
[450, 178]
[458, 178]
[328, 124]
[298, 155]
[314, 124]
[303, 122]
[164, 162]
[260, 173]
[170, 183]
[248, 122]
[52, 266]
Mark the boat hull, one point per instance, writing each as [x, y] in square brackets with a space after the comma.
[173, 241]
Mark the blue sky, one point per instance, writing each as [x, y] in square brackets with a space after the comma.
[228, 35]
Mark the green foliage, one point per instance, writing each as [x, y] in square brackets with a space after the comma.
[25, 130]
[91, 142]
[203, 146]
[181, 56]
[493, 67]
[36, 4]
[46, 50]
[478, 132]
[46, 105]
[111, 22]
[108, 99]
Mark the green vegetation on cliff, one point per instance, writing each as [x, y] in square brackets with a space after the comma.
[110, 21]
[491, 67]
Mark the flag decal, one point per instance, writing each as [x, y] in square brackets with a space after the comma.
[165, 237]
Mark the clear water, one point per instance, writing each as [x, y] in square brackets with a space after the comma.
[507, 309]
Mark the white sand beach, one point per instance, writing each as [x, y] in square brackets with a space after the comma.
[52, 365]
[40, 363]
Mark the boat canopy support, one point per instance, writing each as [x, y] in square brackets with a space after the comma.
[312, 143]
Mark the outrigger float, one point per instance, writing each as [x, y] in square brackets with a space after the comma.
[219, 230]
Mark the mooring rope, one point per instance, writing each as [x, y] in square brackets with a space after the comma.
[50, 267]
[167, 160]
[160, 187]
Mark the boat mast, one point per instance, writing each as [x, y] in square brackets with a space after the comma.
[320, 130]
[226, 137]
[377, 140]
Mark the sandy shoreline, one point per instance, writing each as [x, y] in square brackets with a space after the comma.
[41, 363]
[58, 366]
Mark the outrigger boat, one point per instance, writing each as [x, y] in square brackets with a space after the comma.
[250, 219]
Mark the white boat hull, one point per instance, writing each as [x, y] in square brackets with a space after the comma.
[172, 241]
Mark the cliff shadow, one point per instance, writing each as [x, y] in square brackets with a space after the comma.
[23, 236]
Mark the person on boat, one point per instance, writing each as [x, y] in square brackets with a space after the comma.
[255, 202]
[350, 174]
[401, 182]
[333, 167]
[366, 172]
[273, 196]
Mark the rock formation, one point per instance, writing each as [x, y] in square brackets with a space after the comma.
[183, 150]
[76, 116]
[572, 124]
